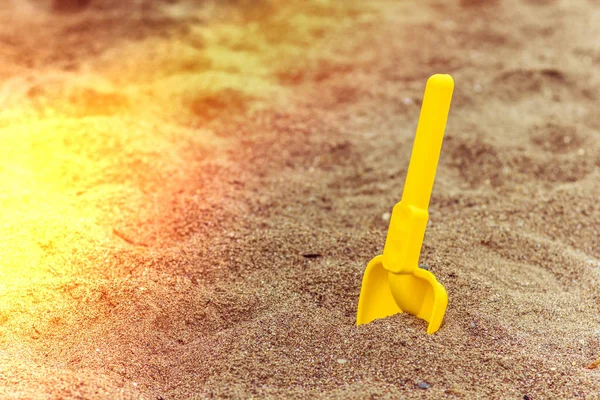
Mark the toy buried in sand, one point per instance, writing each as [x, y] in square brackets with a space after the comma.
[393, 282]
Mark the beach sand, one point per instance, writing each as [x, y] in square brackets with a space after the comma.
[190, 193]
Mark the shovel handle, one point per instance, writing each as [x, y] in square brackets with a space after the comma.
[428, 141]
[410, 216]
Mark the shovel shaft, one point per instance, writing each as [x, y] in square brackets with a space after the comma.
[428, 141]
[410, 216]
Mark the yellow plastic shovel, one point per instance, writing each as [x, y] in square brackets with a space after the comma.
[393, 282]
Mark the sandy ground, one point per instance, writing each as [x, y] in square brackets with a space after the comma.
[167, 169]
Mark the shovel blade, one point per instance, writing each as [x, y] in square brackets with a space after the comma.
[420, 294]
[376, 299]
[384, 294]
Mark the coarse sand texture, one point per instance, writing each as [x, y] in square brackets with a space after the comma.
[190, 192]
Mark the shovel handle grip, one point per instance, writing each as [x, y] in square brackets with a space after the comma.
[410, 215]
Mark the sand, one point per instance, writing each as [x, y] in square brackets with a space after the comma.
[190, 192]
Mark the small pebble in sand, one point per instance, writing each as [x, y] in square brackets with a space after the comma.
[425, 267]
[472, 324]
[407, 101]
[423, 385]
[386, 216]
[342, 361]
